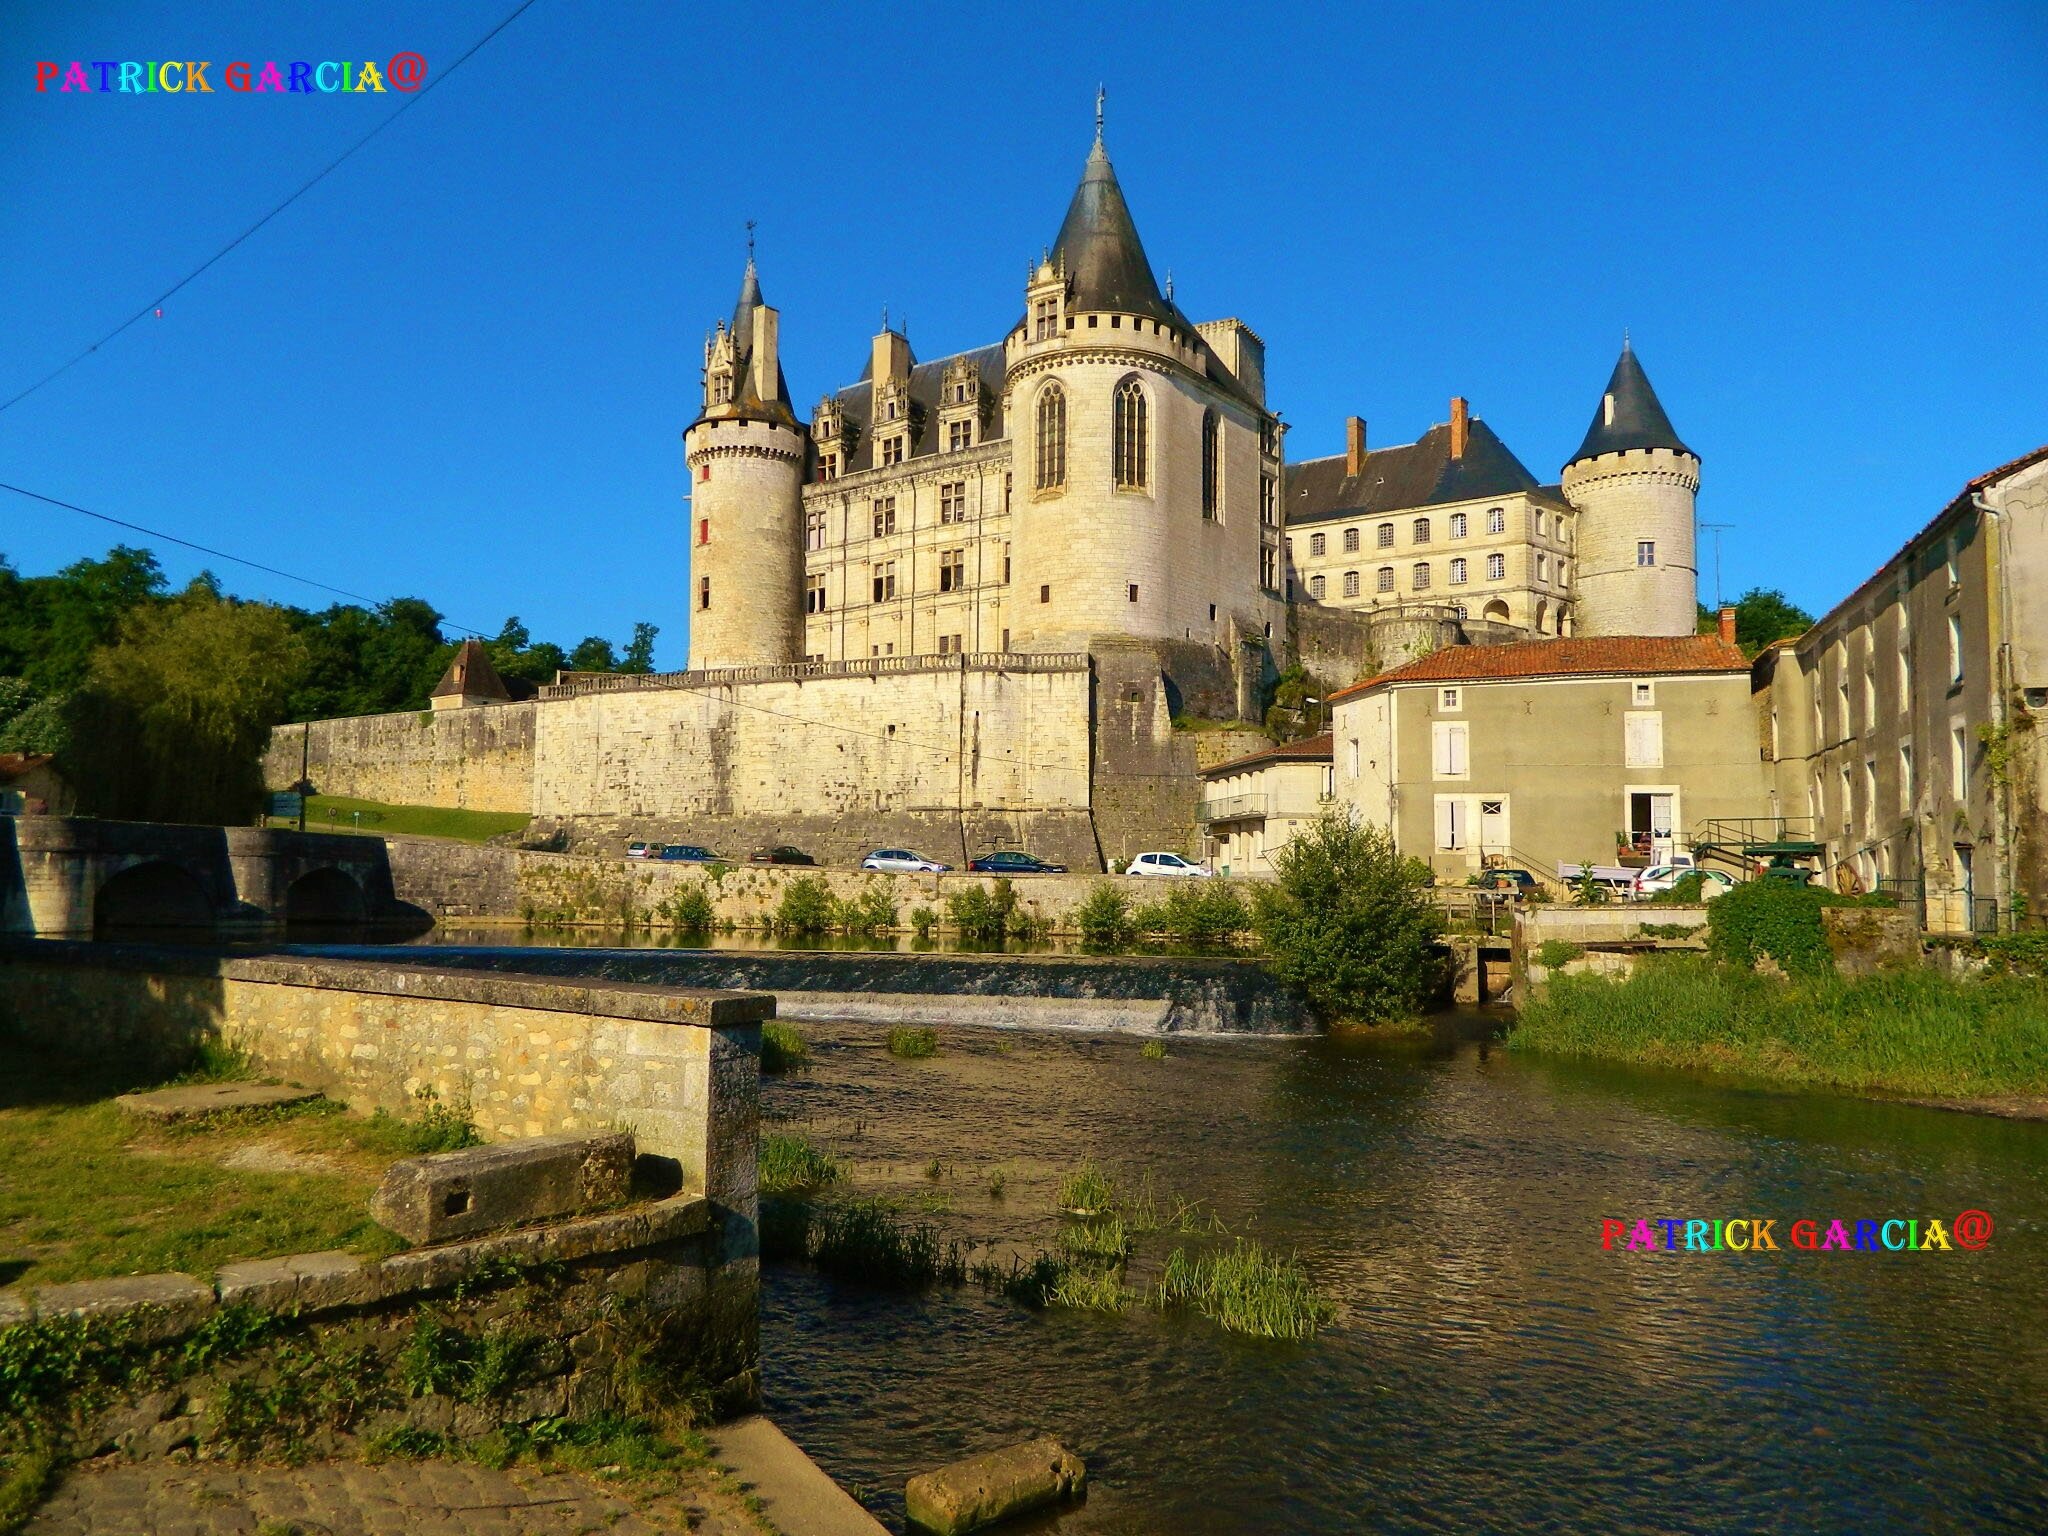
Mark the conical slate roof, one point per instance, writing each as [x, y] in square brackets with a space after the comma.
[1629, 415]
[747, 404]
[1099, 251]
[750, 300]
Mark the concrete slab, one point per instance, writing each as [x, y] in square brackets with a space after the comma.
[794, 1491]
[479, 1189]
[211, 1098]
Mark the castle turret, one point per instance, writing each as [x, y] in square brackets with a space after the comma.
[1633, 483]
[746, 453]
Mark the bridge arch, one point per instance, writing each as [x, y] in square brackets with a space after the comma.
[326, 897]
[152, 898]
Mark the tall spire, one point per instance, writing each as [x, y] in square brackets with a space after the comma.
[750, 294]
[1098, 246]
[1100, 93]
[1629, 415]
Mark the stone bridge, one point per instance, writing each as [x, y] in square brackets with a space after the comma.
[73, 877]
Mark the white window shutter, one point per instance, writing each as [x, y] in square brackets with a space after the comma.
[1643, 743]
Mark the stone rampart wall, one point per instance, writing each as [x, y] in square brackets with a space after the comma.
[476, 759]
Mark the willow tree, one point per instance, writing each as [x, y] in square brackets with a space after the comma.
[174, 715]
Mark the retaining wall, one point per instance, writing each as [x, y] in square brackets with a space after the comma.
[476, 759]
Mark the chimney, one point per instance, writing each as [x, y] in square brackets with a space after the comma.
[1461, 425]
[1354, 446]
[765, 363]
[1728, 626]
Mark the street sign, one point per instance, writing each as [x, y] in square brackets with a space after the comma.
[287, 805]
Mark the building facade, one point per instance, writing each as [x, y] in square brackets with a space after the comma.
[1252, 806]
[1552, 751]
[1901, 727]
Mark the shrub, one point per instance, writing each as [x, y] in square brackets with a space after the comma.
[782, 1048]
[1202, 914]
[1349, 922]
[1587, 891]
[1552, 953]
[1774, 918]
[1153, 1050]
[866, 913]
[922, 921]
[2016, 954]
[806, 906]
[1688, 890]
[689, 909]
[1105, 917]
[913, 1044]
[981, 913]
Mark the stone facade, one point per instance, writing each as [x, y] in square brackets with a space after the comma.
[1638, 573]
[1252, 807]
[1901, 728]
[476, 759]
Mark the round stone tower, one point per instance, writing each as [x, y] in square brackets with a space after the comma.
[1633, 483]
[746, 454]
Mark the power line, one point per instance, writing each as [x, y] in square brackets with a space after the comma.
[321, 175]
[218, 554]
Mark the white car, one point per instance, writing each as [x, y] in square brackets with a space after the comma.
[643, 850]
[901, 861]
[1167, 864]
[1661, 877]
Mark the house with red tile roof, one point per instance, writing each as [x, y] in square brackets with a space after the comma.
[1252, 806]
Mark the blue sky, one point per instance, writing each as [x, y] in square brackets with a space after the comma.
[459, 368]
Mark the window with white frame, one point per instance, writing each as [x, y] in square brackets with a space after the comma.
[1351, 583]
[1452, 830]
[1458, 569]
[1646, 552]
[1450, 700]
[1959, 762]
[1496, 567]
[1496, 520]
[1420, 533]
[1906, 779]
[1350, 541]
[1643, 695]
[1383, 579]
[1354, 757]
[1316, 545]
[1315, 588]
[1449, 744]
[1460, 525]
[1383, 536]
[1419, 578]
[1955, 650]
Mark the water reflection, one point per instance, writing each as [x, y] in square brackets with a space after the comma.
[1491, 1368]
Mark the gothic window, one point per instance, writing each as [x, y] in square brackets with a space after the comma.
[1052, 438]
[1269, 437]
[1421, 531]
[952, 570]
[1351, 583]
[1460, 524]
[1496, 567]
[953, 502]
[1212, 477]
[721, 389]
[1458, 572]
[1420, 580]
[1383, 579]
[1383, 536]
[1006, 571]
[1496, 520]
[1315, 545]
[959, 435]
[1128, 428]
[814, 530]
[1350, 541]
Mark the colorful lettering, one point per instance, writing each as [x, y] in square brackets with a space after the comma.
[1734, 1246]
[371, 79]
[302, 76]
[195, 76]
[1866, 1236]
[1671, 1234]
[1642, 1237]
[75, 72]
[320, 76]
[131, 76]
[45, 73]
[105, 67]
[1936, 1236]
[1805, 1235]
[270, 79]
[1761, 1235]
[1838, 1237]
[163, 75]
[1695, 1237]
[237, 75]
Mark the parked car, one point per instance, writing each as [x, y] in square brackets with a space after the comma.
[1013, 864]
[1661, 877]
[643, 850]
[689, 853]
[1514, 882]
[780, 854]
[901, 861]
[1168, 864]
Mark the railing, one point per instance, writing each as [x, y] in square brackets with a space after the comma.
[1737, 832]
[569, 685]
[1236, 808]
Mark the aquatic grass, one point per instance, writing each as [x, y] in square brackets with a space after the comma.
[790, 1163]
[995, 1185]
[864, 1241]
[1089, 1289]
[911, 1043]
[1086, 1191]
[782, 1048]
[1246, 1289]
[1153, 1050]
[1911, 1031]
[1104, 1240]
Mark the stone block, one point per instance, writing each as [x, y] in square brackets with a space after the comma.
[310, 1281]
[211, 1099]
[999, 1485]
[457, 1194]
[164, 1305]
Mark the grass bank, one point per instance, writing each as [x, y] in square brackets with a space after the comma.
[339, 813]
[1917, 1032]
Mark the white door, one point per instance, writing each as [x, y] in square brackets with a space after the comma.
[1494, 842]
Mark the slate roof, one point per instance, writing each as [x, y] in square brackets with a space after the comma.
[1315, 749]
[1575, 656]
[747, 404]
[470, 675]
[1417, 474]
[1099, 250]
[1639, 419]
[857, 404]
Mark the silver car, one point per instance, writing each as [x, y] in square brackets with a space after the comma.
[901, 861]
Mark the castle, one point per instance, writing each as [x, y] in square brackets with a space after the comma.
[974, 601]
[1110, 472]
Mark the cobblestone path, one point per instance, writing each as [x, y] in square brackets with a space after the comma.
[348, 1498]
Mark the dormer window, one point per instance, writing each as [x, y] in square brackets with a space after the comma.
[892, 450]
[959, 435]
[721, 389]
[1045, 319]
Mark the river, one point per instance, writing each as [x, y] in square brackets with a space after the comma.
[1491, 1367]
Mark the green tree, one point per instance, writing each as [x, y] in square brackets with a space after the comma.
[1348, 921]
[173, 717]
[1762, 615]
[32, 722]
[50, 625]
[640, 649]
[593, 654]
[1291, 716]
